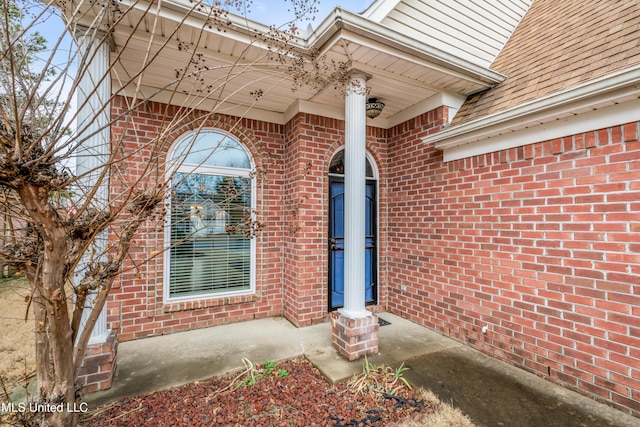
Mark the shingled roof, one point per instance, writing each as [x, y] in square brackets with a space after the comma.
[559, 45]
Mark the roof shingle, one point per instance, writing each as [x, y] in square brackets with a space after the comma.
[558, 45]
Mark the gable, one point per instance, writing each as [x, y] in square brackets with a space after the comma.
[560, 45]
[571, 67]
[475, 31]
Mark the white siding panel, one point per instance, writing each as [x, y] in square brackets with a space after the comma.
[475, 30]
[448, 41]
[518, 7]
[495, 13]
[470, 21]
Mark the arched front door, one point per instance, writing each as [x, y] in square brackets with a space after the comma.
[336, 234]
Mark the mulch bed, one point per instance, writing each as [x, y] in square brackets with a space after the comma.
[293, 394]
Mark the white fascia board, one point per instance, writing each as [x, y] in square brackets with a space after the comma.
[451, 100]
[336, 111]
[379, 9]
[512, 128]
[340, 22]
[240, 28]
[388, 41]
[329, 31]
[613, 115]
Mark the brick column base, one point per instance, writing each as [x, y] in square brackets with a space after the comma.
[354, 338]
[99, 365]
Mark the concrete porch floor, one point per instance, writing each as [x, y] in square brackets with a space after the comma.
[492, 393]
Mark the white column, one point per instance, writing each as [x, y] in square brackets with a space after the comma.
[93, 102]
[354, 197]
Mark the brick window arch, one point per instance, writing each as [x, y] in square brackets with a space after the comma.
[212, 198]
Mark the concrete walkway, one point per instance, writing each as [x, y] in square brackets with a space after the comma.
[492, 393]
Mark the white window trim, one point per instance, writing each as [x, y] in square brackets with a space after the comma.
[213, 170]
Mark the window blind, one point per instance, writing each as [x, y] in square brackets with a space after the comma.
[209, 254]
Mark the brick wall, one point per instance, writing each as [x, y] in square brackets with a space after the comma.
[541, 244]
[311, 142]
[136, 307]
[99, 365]
[291, 250]
[303, 243]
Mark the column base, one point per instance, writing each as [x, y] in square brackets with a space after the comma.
[99, 365]
[354, 337]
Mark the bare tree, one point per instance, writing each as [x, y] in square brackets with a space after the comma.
[67, 219]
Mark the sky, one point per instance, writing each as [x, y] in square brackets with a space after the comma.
[275, 12]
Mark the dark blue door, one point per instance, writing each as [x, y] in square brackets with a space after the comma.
[336, 243]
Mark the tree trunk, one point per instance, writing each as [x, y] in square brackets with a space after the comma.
[43, 362]
[56, 380]
[59, 331]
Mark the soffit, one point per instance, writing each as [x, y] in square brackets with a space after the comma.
[234, 65]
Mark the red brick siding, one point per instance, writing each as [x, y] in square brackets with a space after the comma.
[136, 307]
[99, 365]
[539, 243]
[291, 250]
[302, 244]
[354, 338]
[311, 142]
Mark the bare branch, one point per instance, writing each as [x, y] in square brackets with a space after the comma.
[59, 102]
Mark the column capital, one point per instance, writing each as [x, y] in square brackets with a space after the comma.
[357, 83]
[102, 36]
[354, 73]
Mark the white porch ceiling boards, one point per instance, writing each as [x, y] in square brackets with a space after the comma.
[408, 75]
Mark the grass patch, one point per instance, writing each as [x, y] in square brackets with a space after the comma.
[17, 348]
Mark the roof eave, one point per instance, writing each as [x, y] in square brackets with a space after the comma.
[344, 20]
[614, 88]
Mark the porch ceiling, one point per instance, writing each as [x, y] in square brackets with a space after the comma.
[408, 76]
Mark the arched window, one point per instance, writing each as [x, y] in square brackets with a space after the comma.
[212, 200]
[336, 167]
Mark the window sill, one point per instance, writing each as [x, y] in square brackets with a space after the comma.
[172, 307]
